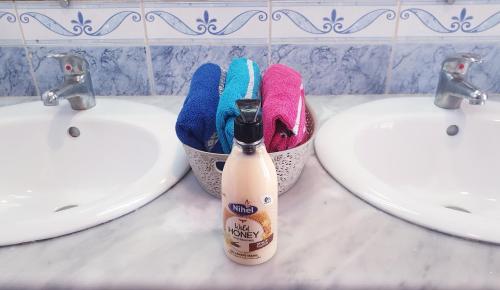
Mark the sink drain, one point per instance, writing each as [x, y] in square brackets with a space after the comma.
[457, 208]
[65, 207]
[452, 130]
[74, 132]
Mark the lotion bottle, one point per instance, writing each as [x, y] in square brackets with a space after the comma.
[249, 192]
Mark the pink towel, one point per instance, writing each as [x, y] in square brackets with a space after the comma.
[283, 108]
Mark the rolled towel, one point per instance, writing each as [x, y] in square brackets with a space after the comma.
[242, 82]
[283, 109]
[195, 125]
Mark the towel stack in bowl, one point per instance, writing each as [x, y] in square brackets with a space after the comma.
[242, 82]
[195, 124]
[283, 108]
[206, 121]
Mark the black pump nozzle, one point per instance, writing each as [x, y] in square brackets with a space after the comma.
[249, 109]
[248, 125]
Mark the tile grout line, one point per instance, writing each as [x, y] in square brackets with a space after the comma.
[27, 52]
[388, 76]
[149, 60]
[269, 33]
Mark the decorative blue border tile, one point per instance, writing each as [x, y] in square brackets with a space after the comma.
[81, 25]
[207, 20]
[461, 22]
[337, 69]
[173, 66]
[206, 24]
[7, 16]
[114, 70]
[9, 27]
[416, 66]
[449, 20]
[15, 77]
[333, 23]
[326, 20]
[44, 23]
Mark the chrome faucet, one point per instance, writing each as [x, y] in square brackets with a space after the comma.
[77, 86]
[453, 86]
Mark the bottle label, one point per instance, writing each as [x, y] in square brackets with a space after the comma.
[242, 209]
[246, 230]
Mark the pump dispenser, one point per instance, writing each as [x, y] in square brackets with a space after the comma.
[249, 191]
[248, 130]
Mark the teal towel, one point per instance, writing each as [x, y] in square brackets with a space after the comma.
[242, 82]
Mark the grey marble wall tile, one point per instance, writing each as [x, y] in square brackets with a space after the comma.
[114, 70]
[15, 78]
[337, 69]
[416, 66]
[174, 66]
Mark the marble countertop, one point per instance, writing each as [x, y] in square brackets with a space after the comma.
[328, 238]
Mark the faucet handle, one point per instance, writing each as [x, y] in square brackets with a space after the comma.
[471, 57]
[459, 64]
[71, 64]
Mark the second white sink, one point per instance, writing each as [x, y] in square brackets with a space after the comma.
[401, 155]
[52, 183]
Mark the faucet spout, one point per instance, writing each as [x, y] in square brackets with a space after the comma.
[457, 90]
[51, 97]
[477, 97]
[75, 91]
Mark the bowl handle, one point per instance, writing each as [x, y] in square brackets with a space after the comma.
[219, 165]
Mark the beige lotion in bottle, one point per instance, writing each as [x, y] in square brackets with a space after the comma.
[249, 192]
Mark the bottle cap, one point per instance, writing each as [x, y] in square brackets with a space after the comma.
[248, 125]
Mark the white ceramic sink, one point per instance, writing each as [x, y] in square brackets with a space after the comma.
[396, 154]
[53, 184]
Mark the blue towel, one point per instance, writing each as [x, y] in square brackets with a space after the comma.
[195, 125]
[242, 82]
